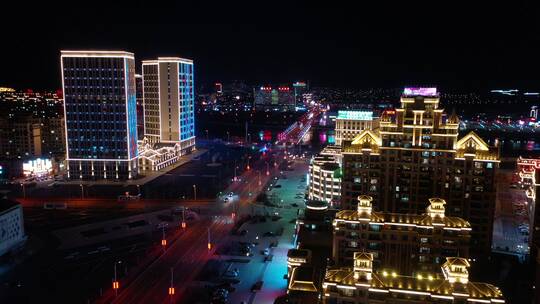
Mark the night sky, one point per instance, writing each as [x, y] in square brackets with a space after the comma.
[456, 46]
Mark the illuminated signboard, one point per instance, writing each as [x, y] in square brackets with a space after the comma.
[37, 167]
[420, 92]
[355, 115]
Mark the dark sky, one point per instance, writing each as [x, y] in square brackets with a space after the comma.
[457, 46]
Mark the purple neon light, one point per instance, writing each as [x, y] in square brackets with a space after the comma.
[420, 91]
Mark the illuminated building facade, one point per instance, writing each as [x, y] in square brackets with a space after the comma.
[324, 179]
[351, 123]
[409, 243]
[300, 88]
[100, 114]
[169, 102]
[416, 155]
[361, 284]
[268, 98]
[140, 106]
[529, 173]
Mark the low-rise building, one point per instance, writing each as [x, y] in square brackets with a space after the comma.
[410, 243]
[360, 284]
[11, 226]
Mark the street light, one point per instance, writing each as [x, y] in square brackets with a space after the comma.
[139, 190]
[184, 218]
[195, 192]
[171, 289]
[248, 163]
[116, 284]
[209, 241]
[24, 190]
[259, 172]
[82, 191]
[234, 179]
[267, 169]
[163, 240]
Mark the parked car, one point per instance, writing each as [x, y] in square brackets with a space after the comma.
[257, 286]
[231, 273]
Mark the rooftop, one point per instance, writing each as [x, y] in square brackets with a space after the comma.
[355, 115]
[94, 53]
[6, 205]
[412, 220]
[430, 286]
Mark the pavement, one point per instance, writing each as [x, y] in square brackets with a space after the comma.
[147, 176]
[271, 273]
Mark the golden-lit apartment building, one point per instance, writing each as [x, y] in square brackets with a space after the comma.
[409, 243]
[360, 284]
[416, 155]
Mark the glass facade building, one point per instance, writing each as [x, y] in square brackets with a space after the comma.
[169, 102]
[100, 113]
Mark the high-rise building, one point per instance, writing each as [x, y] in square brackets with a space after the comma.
[140, 106]
[324, 182]
[416, 155]
[351, 123]
[268, 98]
[300, 88]
[100, 114]
[359, 283]
[409, 243]
[169, 102]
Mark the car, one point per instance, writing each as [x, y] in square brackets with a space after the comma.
[231, 194]
[294, 204]
[269, 258]
[231, 273]
[225, 199]
[257, 286]
[265, 251]
[277, 186]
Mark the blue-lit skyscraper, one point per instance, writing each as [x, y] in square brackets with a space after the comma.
[100, 114]
[169, 102]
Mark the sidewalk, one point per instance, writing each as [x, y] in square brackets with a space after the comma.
[148, 175]
[271, 273]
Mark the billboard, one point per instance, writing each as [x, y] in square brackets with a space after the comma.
[37, 167]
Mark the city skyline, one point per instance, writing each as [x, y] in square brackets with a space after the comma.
[463, 48]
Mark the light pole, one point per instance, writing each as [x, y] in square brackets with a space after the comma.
[116, 284]
[23, 190]
[184, 218]
[228, 136]
[139, 190]
[209, 241]
[171, 289]
[234, 171]
[82, 191]
[163, 240]
[206, 135]
[249, 157]
[259, 177]
[195, 192]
